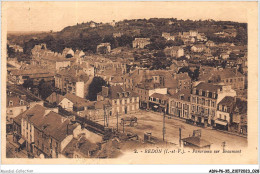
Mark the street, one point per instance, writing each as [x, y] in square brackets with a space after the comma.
[153, 122]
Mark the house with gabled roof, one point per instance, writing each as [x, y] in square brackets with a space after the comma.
[123, 101]
[45, 132]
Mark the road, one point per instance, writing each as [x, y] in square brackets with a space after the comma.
[153, 122]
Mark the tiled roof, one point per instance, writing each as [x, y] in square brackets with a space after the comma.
[182, 76]
[19, 91]
[114, 90]
[185, 93]
[227, 101]
[18, 119]
[117, 79]
[160, 96]
[51, 124]
[208, 87]
[76, 100]
[16, 101]
[211, 74]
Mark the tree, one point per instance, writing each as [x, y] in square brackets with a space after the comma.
[10, 51]
[196, 74]
[95, 87]
[45, 89]
[28, 83]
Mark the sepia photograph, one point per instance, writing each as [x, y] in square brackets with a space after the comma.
[129, 83]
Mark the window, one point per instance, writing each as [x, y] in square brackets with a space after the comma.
[225, 117]
[220, 116]
[10, 111]
[21, 102]
[10, 103]
[213, 104]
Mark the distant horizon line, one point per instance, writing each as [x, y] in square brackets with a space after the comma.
[44, 31]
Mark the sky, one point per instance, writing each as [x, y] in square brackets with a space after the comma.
[46, 16]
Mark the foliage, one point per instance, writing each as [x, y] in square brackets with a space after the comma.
[45, 88]
[193, 75]
[95, 87]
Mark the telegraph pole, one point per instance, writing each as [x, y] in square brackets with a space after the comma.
[164, 129]
[107, 115]
[123, 126]
[224, 145]
[117, 121]
[104, 115]
[180, 137]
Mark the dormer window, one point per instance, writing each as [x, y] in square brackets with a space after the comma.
[11, 103]
[21, 102]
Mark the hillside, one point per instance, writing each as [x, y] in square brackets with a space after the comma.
[84, 37]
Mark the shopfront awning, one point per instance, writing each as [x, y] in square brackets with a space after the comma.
[221, 122]
[21, 141]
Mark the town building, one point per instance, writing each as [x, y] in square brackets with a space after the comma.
[71, 102]
[123, 101]
[36, 75]
[45, 132]
[204, 100]
[210, 43]
[49, 60]
[174, 51]
[72, 80]
[18, 100]
[141, 42]
[232, 115]
[104, 48]
[145, 90]
[159, 102]
[177, 65]
[68, 53]
[225, 76]
[198, 48]
[118, 34]
[168, 36]
[179, 104]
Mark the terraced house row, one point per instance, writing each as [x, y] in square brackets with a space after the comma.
[206, 105]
